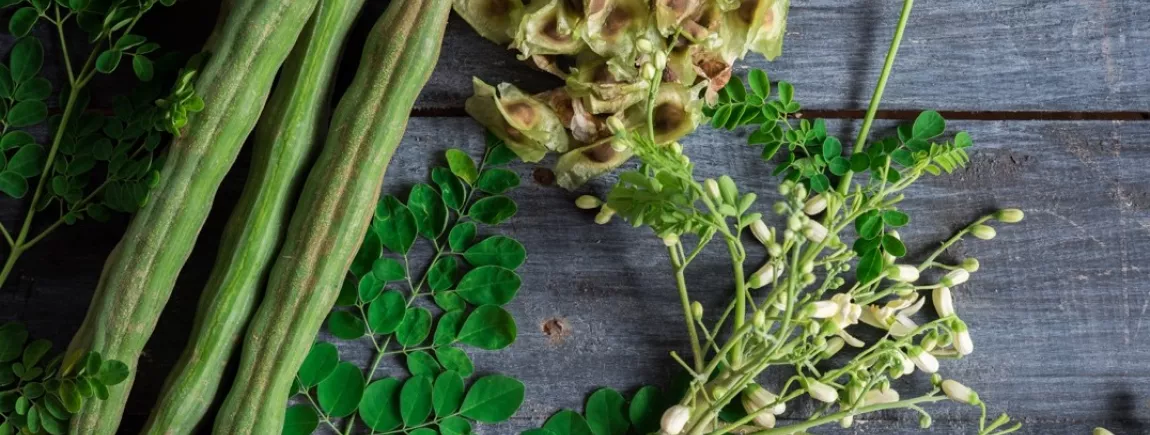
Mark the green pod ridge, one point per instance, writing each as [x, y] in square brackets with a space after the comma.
[249, 43]
[333, 213]
[285, 140]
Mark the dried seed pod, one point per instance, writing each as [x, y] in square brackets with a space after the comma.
[602, 87]
[492, 19]
[548, 27]
[670, 14]
[677, 112]
[579, 165]
[528, 126]
[613, 25]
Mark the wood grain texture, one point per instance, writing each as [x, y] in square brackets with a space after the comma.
[1058, 310]
[981, 55]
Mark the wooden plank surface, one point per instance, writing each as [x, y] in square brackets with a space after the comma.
[981, 55]
[1058, 310]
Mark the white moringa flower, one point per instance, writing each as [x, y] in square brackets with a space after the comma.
[604, 215]
[815, 205]
[880, 396]
[815, 231]
[823, 309]
[1009, 215]
[675, 419]
[959, 393]
[878, 317]
[765, 275]
[913, 309]
[955, 277]
[984, 232]
[588, 202]
[902, 326]
[762, 232]
[822, 392]
[755, 397]
[962, 341]
[923, 359]
[713, 189]
[902, 272]
[670, 240]
[943, 301]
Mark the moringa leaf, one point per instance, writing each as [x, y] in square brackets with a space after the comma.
[489, 327]
[492, 399]
[339, 395]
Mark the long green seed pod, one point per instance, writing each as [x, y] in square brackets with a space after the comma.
[334, 210]
[246, 49]
[289, 131]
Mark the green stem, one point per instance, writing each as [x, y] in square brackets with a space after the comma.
[64, 48]
[872, 110]
[740, 300]
[798, 428]
[681, 283]
[954, 239]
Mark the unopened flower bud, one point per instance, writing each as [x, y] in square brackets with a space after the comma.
[821, 392]
[760, 319]
[923, 359]
[697, 310]
[677, 148]
[670, 240]
[794, 223]
[774, 250]
[1009, 215]
[815, 205]
[588, 202]
[644, 45]
[924, 421]
[755, 397]
[762, 232]
[903, 289]
[712, 187]
[620, 144]
[943, 301]
[822, 309]
[1101, 431]
[675, 419]
[962, 341]
[785, 187]
[605, 214]
[904, 362]
[970, 264]
[955, 277]
[834, 345]
[815, 232]
[984, 232]
[808, 279]
[902, 272]
[765, 275]
[880, 396]
[684, 159]
[648, 72]
[808, 267]
[616, 125]
[660, 60]
[847, 421]
[780, 208]
[959, 393]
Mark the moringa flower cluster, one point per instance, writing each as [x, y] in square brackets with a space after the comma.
[633, 64]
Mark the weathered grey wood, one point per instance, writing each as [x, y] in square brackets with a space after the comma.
[1058, 311]
[981, 55]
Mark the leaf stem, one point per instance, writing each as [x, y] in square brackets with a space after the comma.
[681, 283]
[795, 428]
[872, 109]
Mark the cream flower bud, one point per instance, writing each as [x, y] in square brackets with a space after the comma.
[902, 272]
[823, 309]
[984, 232]
[756, 397]
[959, 393]
[648, 71]
[904, 362]
[1009, 215]
[712, 187]
[834, 345]
[616, 125]
[822, 392]
[880, 396]
[675, 419]
[847, 422]
[677, 148]
[644, 45]
[660, 60]
[794, 223]
[684, 159]
[670, 240]
[815, 205]
[943, 301]
[604, 216]
[762, 232]
[923, 359]
[765, 275]
[1101, 431]
[760, 319]
[955, 277]
[620, 145]
[815, 231]
[970, 264]
[588, 202]
[962, 341]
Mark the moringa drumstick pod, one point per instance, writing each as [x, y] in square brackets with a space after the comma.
[289, 132]
[336, 205]
[250, 42]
